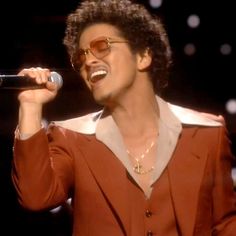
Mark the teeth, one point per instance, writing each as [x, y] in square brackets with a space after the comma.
[98, 73]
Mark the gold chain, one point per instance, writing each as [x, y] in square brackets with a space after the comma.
[138, 168]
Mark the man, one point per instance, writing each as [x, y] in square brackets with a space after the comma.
[141, 166]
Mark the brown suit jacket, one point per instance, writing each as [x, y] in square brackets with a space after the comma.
[81, 167]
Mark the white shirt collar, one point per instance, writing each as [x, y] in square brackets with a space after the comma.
[87, 124]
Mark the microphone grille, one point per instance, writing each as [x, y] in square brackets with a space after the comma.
[56, 78]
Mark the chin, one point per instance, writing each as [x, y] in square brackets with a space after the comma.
[102, 99]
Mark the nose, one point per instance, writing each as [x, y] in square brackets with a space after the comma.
[89, 58]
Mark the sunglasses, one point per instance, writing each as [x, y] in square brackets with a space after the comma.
[99, 48]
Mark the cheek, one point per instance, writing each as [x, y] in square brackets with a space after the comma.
[123, 63]
[83, 76]
[127, 66]
[87, 83]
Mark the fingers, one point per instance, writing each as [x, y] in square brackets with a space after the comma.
[51, 86]
[40, 75]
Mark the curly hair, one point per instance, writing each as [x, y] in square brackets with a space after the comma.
[134, 22]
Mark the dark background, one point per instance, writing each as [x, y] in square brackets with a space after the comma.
[31, 35]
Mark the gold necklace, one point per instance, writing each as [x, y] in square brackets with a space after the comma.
[138, 168]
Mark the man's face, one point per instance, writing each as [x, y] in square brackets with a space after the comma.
[109, 68]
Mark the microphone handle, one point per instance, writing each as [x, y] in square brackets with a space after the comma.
[19, 83]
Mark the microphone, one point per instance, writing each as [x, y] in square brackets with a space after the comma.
[25, 83]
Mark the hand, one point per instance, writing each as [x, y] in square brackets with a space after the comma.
[38, 96]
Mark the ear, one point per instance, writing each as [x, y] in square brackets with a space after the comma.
[144, 60]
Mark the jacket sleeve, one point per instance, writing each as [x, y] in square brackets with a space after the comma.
[42, 169]
[224, 195]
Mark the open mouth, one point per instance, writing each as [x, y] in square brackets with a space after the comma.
[97, 75]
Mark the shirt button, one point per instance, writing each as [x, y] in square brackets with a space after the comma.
[148, 213]
[149, 233]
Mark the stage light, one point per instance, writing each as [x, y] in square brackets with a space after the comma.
[189, 49]
[225, 49]
[230, 106]
[155, 3]
[193, 21]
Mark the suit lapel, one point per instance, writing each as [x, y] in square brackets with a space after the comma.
[111, 177]
[186, 171]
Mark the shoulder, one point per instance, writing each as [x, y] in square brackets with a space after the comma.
[193, 117]
[85, 124]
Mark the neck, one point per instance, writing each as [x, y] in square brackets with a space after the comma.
[138, 116]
